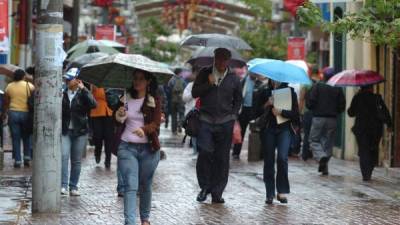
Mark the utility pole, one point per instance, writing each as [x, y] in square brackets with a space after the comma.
[46, 184]
[75, 22]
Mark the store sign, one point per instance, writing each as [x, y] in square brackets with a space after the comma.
[4, 39]
[296, 48]
[105, 32]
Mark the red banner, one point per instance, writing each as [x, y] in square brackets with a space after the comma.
[296, 48]
[105, 32]
[4, 39]
[292, 5]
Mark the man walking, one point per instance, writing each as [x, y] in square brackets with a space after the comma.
[325, 102]
[220, 95]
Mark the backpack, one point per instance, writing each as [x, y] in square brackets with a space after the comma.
[113, 98]
[177, 90]
[191, 123]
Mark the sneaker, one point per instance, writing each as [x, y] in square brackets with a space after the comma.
[64, 191]
[27, 163]
[74, 193]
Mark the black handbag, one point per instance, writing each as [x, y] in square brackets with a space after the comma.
[28, 128]
[191, 123]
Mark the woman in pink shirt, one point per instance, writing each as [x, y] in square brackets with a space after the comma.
[138, 152]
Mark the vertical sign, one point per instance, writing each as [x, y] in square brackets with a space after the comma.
[296, 48]
[4, 39]
[105, 32]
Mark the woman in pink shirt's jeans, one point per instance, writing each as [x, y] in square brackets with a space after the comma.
[138, 154]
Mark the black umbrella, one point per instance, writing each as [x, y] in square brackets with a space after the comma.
[205, 57]
[215, 40]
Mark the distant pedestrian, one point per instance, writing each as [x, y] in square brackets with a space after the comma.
[102, 126]
[190, 104]
[326, 103]
[220, 94]
[276, 136]
[16, 106]
[176, 87]
[246, 112]
[370, 114]
[77, 102]
[138, 151]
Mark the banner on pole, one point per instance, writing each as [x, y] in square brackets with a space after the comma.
[105, 32]
[4, 39]
[296, 48]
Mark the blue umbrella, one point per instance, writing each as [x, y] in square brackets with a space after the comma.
[279, 71]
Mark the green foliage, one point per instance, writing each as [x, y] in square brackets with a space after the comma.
[261, 35]
[378, 21]
[150, 30]
[312, 57]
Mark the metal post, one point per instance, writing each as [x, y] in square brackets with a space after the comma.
[75, 22]
[46, 182]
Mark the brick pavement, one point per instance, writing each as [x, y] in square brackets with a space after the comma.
[341, 198]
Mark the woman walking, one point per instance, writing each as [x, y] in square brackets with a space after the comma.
[370, 114]
[76, 103]
[16, 105]
[275, 136]
[138, 152]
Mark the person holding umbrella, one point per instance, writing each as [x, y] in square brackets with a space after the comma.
[220, 93]
[370, 114]
[138, 151]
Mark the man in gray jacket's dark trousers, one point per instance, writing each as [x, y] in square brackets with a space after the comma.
[220, 96]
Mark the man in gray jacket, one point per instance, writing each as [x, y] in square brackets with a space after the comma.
[325, 102]
[220, 96]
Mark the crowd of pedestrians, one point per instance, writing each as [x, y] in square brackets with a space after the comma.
[129, 127]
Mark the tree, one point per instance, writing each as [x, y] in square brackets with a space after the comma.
[378, 22]
[259, 33]
[150, 30]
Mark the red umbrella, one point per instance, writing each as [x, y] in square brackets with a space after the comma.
[355, 78]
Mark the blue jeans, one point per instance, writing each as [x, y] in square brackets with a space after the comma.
[137, 164]
[72, 147]
[16, 121]
[272, 139]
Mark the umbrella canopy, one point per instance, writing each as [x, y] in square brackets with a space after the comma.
[279, 71]
[300, 63]
[85, 59]
[8, 70]
[91, 42]
[355, 78]
[90, 46]
[205, 57]
[215, 40]
[116, 71]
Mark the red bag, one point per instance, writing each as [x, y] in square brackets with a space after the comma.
[237, 133]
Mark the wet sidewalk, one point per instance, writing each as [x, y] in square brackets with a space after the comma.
[340, 198]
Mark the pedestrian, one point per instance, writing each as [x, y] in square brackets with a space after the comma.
[220, 94]
[77, 102]
[246, 113]
[190, 104]
[370, 114]
[276, 136]
[326, 103]
[102, 124]
[138, 151]
[176, 87]
[16, 107]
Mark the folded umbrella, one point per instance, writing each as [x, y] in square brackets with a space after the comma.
[116, 71]
[279, 71]
[205, 57]
[215, 40]
[355, 78]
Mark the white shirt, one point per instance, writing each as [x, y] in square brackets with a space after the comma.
[219, 77]
[188, 99]
[71, 95]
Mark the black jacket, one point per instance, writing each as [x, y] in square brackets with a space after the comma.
[218, 104]
[81, 104]
[325, 101]
[293, 114]
[364, 107]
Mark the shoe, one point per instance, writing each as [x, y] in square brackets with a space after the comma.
[269, 201]
[27, 163]
[74, 193]
[325, 172]
[120, 195]
[17, 165]
[64, 191]
[107, 165]
[322, 164]
[235, 157]
[97, 158]
[366, 178]
[202, 196]
[218, 200]
[163, 155]
[146, 222]
[282, 200]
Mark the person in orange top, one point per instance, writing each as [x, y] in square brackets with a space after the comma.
[102, 125]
